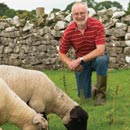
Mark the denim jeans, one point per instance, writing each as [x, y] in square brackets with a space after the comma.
[83, 78]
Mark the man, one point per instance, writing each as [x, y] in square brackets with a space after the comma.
[87, 36]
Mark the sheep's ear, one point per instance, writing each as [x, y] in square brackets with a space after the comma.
[36, 119]
[39, 120]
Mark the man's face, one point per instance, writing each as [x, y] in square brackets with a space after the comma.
[80, 15]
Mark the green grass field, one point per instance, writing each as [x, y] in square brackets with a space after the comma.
[115, 115]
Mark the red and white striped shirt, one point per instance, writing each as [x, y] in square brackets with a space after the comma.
[83, 43]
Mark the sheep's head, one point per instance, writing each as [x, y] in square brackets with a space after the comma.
[78, 119]
[40, 122]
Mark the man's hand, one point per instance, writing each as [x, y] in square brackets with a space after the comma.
[79, 68]
[75, 65]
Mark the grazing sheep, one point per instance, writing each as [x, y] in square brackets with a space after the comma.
[16, 111]
[41, 94]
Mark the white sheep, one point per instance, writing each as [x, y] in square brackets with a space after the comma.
[16, 111]
[35, 88]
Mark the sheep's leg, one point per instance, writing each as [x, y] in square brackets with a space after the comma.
[37, 105]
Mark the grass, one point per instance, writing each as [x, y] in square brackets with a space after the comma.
[114, 115]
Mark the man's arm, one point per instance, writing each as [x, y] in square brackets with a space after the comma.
[64, 58]
[75, 64]
[99, 51]
[71, 64]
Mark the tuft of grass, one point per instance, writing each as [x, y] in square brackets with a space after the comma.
[111, 115]
[114, 115]
[9, 126]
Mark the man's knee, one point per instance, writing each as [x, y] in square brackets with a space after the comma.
[102, 60]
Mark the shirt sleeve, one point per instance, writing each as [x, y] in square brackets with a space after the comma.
[65, 42]
[100, 37]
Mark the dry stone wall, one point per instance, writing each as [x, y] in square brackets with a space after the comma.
[31, 45]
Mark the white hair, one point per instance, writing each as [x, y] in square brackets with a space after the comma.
[81, 3]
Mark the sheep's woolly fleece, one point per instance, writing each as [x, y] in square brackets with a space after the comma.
[16, 111]
[38, 90]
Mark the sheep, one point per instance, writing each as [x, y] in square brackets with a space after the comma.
[16, 111]
[41, 94]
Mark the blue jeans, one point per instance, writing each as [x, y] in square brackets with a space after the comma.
[83, 78]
